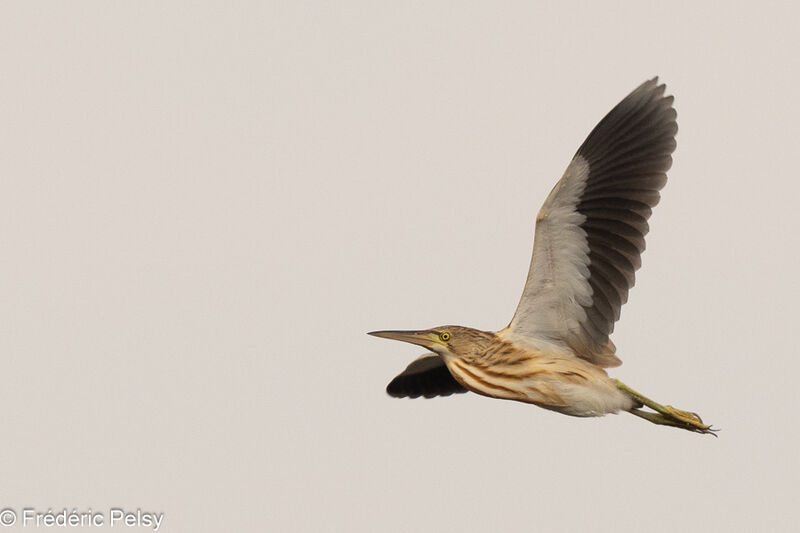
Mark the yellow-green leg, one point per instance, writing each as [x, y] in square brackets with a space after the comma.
[665, 415]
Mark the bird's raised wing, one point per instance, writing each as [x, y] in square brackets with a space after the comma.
[590, 230]
[426, 376]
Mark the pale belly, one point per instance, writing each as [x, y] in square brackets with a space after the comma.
[568, 385]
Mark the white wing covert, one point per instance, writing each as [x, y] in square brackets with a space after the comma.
[590, 231]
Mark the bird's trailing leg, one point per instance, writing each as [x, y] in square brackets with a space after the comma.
[665, 415]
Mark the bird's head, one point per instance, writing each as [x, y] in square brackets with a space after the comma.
[447, 341]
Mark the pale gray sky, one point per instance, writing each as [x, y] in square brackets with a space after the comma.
[205, 207]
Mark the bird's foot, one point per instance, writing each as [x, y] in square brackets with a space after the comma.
[692, 423]
[692, 419]
[666, 415]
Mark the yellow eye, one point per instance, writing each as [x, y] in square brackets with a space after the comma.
[445, 336]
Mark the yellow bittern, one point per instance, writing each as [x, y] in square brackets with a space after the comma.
[588, 243]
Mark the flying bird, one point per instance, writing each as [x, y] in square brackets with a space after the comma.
[587, 246]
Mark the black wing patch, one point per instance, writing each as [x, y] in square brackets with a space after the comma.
[629, 153]
[427, 376]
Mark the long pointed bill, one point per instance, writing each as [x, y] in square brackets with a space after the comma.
[427, 339]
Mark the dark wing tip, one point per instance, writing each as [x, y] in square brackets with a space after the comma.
[428, 377]
[645, 117]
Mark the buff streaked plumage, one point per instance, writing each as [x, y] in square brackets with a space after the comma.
[484, 363]
[588, 243]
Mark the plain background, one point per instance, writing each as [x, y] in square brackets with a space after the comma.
[205, 206]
